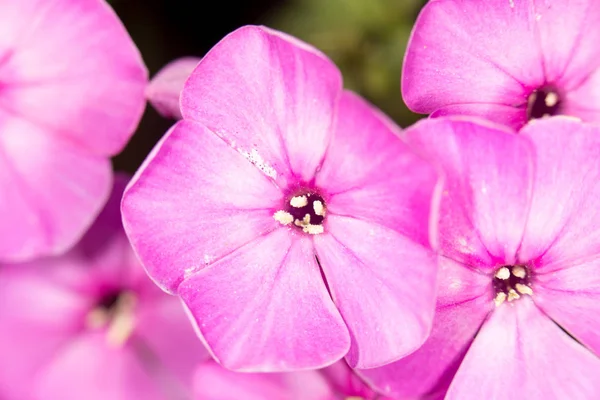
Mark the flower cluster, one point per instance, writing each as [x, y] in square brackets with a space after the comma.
[319, 251]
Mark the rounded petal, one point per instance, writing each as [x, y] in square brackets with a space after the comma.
[164, 89]
[464, 302]
[217, 383]
[384, 286]
[242, 307]
[193, 201]
[369, 173]
[519, 350]
[269, 94]
[487, 191]
[52, 191]
[89, 369]
[563, 227]
[489, 54]
[91, 91]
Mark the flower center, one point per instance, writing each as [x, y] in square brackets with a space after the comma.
[510, 282]
[114, 311]
[305, 211]
[543, 102]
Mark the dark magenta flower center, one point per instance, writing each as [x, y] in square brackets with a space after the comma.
[543, 102]
[510, 282]
[304, 210]
[109, 300]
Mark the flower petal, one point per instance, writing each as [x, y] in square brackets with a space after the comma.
[499, 113]
[52, 191]
[90, 91]
[567, 32]
[520, 350]
[369, 173]
[564, 222]
[489, 54]
[463, 304]
[164, 89]
[571, 297]
[89, 369]
[267, 93]
[487, 190]
[194, 200]
[383, 284]
[217, 383]
[265, 308]
[584, 101]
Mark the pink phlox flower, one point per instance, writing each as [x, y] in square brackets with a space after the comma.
[286, 213]
[506, 60]
[336, 382]
[91, 325]
[71, 95]
[519, 286]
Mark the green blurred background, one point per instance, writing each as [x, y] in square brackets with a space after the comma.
[365, 38]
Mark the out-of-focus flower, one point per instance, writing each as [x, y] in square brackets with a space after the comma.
[164, 89]
[336, 382]
[71, 95]
[91, 325]
[286, 213]
[520, 272]
[506, 60]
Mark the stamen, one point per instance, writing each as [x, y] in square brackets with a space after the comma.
[523, 289]
[499, 299]
[117, 316]
[283, 217]
[510, 282]
[543, 102]
[519, 271]
[319, 208]
[512, 295]
[503, 273]
[305, 210]
[298, 201]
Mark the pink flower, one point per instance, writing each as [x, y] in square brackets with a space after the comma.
[519, 282]
[286, 213]
[71, 94]
[336, 382]
[90, 325]
[506, 60]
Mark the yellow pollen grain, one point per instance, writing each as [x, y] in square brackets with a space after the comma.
[519, 272]
[313, 229]
[551, 99]
[298, 201]
[503, 273]
[523, 289]
[283, 217]
[304, 222]
[500, 297]
[319, 208]
[123, 321]
[513, 295]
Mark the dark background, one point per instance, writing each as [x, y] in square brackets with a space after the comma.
[366, 38]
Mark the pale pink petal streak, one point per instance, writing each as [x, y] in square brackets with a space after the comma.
[269, 96]
[266, 308]
[195, 200]
[520, 350]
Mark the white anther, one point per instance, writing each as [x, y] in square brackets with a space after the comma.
[523, 289]
[283, 217]
[503, 273]
[298, 201]
[519, 271]
[319, 208]
[513, 295]
[551, 99]
[499, 299]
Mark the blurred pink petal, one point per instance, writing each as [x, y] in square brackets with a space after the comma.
[64, 111]
[263, 333]
[533, 56]
[90, 324]
[165, 88]
[248, 177]
[519, 350]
